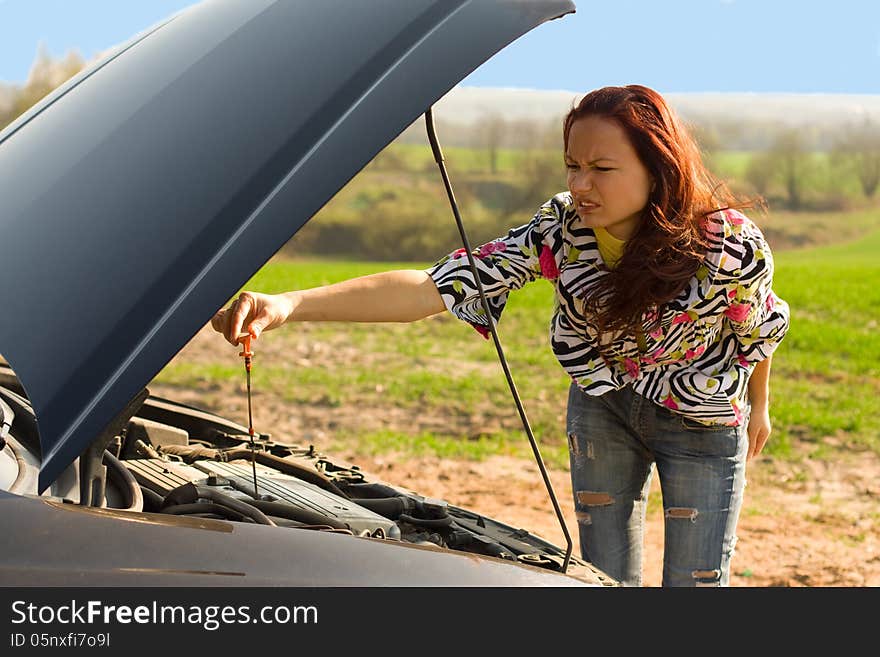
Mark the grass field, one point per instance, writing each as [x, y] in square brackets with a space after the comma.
[825, 382]
[827, 374]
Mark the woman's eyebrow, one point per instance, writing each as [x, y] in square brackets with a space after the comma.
[598, 159]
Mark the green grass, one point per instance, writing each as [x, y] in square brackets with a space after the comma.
[418, 157]
[431, 444]
[826, 373]
[788, 230]
[730, 164]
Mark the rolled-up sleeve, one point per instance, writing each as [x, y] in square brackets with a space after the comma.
[504, 264]
[759, 318]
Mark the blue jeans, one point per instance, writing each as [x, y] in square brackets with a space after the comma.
[614, 442]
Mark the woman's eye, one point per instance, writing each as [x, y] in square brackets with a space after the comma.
[569, 165]
[603, 168]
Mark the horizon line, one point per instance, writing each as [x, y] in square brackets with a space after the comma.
[679, 93]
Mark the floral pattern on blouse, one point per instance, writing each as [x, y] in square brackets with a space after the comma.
[696, 363]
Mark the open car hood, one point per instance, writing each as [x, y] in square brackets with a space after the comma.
[141, 195]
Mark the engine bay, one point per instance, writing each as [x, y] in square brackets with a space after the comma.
[179, 460]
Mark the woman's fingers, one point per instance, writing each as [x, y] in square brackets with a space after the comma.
[761, 441]
[217, 321]
[759, 432]
[242, 311]
[250, 314]
[230, 321]
[220, 322]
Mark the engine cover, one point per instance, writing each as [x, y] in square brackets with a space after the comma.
[236, 480]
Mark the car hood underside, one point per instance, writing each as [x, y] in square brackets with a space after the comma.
[138, 197]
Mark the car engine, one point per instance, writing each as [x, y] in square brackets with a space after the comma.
[179, 460]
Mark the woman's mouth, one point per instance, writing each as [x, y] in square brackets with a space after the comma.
[587, 206]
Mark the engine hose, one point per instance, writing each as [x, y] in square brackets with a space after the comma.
[189, 493]
[361, 491]
[465, 540]
[152, 499]
[496, 550]
[145, 450]
[192, 452]
[121, 475]
[427, 522]
[20, 478]
[291, 512]
[390, 507]
[204, 507]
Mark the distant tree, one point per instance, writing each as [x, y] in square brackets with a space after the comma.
[858, 149]
[8, 95]
[541, 177]
[493, 128]
[790, 158]
[761, 172]
[45, 75]
[390, 158]
[522, 134]
[708, 140]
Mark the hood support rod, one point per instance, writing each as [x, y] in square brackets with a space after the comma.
[438, 157]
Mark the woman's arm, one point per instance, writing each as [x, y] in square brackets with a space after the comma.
[759, 398]
[403, 295]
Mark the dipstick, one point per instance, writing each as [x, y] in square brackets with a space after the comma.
[248, 356]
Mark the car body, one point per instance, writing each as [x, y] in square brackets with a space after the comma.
[137, 198]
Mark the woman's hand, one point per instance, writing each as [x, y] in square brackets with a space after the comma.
[251, 314]
[758, 429]
[759, 398]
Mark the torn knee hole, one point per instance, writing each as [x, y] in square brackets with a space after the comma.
[591, 498]
[583, 518]
[575, 447]
[707, 577]
[682, 512]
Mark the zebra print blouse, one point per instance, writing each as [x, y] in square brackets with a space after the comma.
[697, 363]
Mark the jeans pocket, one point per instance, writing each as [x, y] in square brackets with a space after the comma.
[689, 424]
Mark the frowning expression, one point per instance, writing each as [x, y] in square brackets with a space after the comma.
[608, 182]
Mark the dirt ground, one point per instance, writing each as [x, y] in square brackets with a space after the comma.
[786, 536]
[809, 523]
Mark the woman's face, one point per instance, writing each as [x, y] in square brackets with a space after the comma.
[608, 182]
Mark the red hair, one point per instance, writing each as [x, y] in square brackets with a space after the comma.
[670, 242]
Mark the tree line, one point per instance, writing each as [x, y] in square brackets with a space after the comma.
[396, 210]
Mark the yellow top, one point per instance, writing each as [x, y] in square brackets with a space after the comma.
[610, 248]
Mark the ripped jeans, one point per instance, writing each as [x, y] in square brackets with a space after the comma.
[615, 440]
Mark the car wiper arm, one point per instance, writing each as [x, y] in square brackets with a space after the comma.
[438, 157]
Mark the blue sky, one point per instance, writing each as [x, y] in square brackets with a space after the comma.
[799, 46]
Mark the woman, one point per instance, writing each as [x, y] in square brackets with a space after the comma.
[665, 320]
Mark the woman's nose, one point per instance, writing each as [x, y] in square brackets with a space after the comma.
[581, 181]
